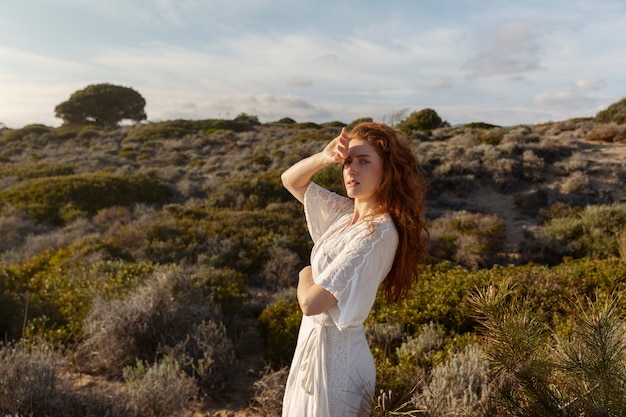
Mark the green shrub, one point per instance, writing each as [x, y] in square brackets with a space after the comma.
[357, 121]
[89, 132]
[439, 297]
[45, 199]
[480, 125]
[334, 123]
[492, 136]
[310, 136]
[172, 129]
[225, 288]
[331, 179]
[591, 232]
[423, 120]
[306, 125]
[471, 239]
[539, 373]
[19, 134]
[55, 290]
[615, 113]
[221, 238]
[279, 323]
[425, 341]
[551, 289]
[253, 192]
[418, 350]
[36, 170]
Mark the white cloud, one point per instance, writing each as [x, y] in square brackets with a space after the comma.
[578, 96]
[436, 84]
[506, 49]
[163, 104]
[585, 84]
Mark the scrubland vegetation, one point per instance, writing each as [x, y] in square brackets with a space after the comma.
[149, 270]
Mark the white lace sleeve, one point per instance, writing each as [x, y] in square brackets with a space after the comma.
[355, 275]
[322, 208]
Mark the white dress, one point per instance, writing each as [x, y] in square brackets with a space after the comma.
[332, 373]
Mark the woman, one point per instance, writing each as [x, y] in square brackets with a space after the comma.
[375, 236]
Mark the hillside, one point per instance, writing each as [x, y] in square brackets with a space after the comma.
[203, 199]
[515, 173]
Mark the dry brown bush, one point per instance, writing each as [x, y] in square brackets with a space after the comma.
[281, 270]
[35, 382]
[459, 387]
[15, 226]
[467, 139]
[206, 354]
[162, 312]
[532, 166]
[159, 390]
[126, 228]
[269, 390]
[576, 162]
[578, 182]
[518, 136]
[612, 133]
[49, 238]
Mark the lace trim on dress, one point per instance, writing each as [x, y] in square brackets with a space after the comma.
[338, 369]
[321, 203]
[355, 249]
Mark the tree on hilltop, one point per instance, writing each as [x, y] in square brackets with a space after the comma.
[423, 120]
[103, 105]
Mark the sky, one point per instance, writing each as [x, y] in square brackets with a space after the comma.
[494, 61]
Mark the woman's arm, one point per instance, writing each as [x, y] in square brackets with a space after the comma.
[313, 298]
[296, 179]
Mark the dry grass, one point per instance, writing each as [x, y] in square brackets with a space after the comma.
[161, 313]
[268, 392]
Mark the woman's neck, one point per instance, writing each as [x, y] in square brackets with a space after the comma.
[363, 209]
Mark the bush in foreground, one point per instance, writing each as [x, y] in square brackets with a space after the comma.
[160, 313]
[539, 373]
[35, 383]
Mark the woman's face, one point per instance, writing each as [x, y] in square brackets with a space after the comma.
[362, 171]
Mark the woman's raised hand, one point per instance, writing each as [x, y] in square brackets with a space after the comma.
[296, 179]
[337, 149]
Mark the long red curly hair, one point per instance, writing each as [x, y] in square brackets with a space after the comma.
[401, 194]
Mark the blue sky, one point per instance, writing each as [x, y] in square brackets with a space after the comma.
[496, 61]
